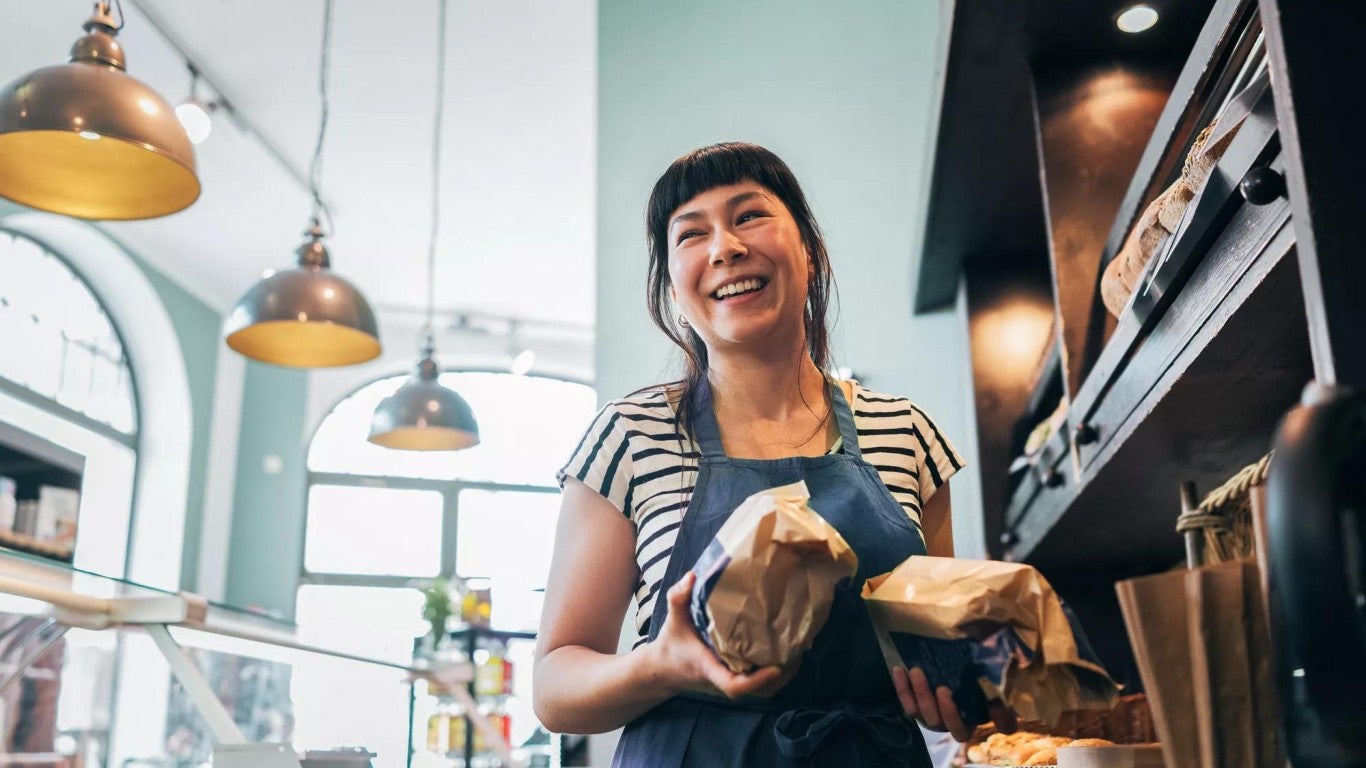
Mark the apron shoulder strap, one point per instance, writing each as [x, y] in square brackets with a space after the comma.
[844, 418]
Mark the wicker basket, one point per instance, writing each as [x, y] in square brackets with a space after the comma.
[1225, 516]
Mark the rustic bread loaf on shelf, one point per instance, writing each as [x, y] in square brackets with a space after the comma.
[1163, 215]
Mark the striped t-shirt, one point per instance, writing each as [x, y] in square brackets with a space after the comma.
[634, 455]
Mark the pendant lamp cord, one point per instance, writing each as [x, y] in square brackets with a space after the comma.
[315, 167]
[436, 164]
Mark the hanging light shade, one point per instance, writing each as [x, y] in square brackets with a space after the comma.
[87, 140]
[306, 317]
[423, 415]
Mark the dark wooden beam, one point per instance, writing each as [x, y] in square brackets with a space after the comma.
[982, 190]
[1315, 52]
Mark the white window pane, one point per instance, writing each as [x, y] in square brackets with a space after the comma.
[59, 342]
[78, 374]
[373, 531]
[528, 426]
[508, 537]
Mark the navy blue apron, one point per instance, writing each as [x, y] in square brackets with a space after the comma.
[840, 709]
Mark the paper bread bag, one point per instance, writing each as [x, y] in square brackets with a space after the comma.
[765, 583]
[988, 630]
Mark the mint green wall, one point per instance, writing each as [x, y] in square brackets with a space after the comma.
[844, 92]
[268, 509]
[197, 327]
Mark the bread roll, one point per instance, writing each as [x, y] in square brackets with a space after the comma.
[1114, 289]
[1205, 154]
[1045, 756]
[1006, 746]
[1172, 205]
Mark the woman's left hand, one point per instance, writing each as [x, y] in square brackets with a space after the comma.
[936, 709]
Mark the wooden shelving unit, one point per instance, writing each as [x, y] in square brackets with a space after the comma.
[1056, 132]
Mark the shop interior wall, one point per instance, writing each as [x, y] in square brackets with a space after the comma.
[846, 95]
[197, 328]
[269, 491]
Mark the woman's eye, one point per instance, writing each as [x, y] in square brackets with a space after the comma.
[688, 234]
[749, 215]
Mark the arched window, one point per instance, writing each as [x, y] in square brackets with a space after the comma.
[382, 523]
[67, 395]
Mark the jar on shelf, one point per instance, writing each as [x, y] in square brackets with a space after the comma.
[476, 606]
[485, 753]
[490, 669]
[438, 726]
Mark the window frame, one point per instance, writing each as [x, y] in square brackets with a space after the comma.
[450, 509]
[65, 412]
[450, 524]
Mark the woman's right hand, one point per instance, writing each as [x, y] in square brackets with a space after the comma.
[684, 663]
[935, 708]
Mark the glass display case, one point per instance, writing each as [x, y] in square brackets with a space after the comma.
[98, 671]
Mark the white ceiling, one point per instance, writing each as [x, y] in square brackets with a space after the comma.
[517, 214]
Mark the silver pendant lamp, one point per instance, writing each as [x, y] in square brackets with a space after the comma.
[307, 316]
[423, 415]
[85, 139]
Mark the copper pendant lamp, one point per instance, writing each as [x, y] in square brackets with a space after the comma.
[305, 317]
[308, 316]
[423, 415]
[87, 140]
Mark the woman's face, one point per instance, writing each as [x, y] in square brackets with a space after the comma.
[738, 269]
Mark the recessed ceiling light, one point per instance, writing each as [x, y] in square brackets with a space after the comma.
[1136, 18]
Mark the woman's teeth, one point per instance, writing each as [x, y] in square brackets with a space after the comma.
[742, 286]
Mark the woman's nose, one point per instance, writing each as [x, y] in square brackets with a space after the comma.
[726, 247]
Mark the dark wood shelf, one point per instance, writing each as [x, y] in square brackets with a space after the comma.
[1054, 136]
[1214, 377]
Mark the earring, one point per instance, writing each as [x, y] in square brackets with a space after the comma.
[682, 322]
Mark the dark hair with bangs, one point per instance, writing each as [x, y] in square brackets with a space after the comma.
[691, 175]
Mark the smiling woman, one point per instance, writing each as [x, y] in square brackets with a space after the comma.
[739, 278]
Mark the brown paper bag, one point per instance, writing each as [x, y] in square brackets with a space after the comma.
[1201, 641]
[1008, 621]
[1154, 609]
[765, 583]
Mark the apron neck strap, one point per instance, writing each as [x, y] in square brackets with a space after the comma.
[844, 418]
[702, 418]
